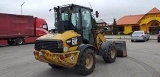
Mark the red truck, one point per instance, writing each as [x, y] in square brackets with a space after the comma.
[20, 29]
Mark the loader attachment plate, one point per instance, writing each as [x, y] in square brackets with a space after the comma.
[121, 48]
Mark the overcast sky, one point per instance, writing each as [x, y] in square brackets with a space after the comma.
[108, 9]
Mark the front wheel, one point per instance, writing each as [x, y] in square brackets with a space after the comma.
[87, 62]
[112, 53]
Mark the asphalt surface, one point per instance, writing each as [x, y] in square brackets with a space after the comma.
[143, 60]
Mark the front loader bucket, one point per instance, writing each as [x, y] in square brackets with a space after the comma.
[121, 48]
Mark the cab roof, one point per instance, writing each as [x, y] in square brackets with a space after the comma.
[74, 5]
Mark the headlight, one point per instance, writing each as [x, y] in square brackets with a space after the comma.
[65, 49]
[45, 26]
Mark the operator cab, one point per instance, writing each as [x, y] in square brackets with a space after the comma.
[74, 17]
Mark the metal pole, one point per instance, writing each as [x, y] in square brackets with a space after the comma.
[21, 7]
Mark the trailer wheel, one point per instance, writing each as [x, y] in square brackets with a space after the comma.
[54, 66]
[12, 42]
[19, 41]
[87, 62]
[112, 53]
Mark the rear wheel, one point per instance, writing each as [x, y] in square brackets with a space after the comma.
[87, 62]
[145, 39]
[112, 53]
[54, 66]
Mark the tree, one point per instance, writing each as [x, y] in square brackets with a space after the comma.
[115, 28]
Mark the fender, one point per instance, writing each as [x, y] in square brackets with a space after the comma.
[81, 48]
[105, 48]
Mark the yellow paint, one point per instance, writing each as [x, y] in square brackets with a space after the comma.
[68, 59]
[127, 29]
[147, 18]
[72, 48]
[144, 23]
[99, 39]
[62, 36]
[143, 27]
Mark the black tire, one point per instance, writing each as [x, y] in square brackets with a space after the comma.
[132, 41]
[112, 53]
[13, 42]
[87, 62]
[9, 42]
[54, 66]
[145, 39]
[19, 41]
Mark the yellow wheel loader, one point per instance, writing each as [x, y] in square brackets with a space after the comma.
[75, 42]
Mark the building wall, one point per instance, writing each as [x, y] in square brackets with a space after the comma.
[147, 18]
[127, 29]
[143, 27]
[145, 23]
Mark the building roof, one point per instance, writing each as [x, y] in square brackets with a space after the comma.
[154, 10]
[101, 21]
[131, 19]
[134, 19]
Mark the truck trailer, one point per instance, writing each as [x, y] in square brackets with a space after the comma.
[20, 29]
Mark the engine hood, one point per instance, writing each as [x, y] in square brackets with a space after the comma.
[59, 36]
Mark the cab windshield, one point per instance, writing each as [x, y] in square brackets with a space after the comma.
[70, 19]
[78, 19]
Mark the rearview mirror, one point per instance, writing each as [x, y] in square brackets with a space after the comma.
[97, 14]
[50, 9]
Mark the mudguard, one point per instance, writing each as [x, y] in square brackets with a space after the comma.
[105, 48]
[81, 48]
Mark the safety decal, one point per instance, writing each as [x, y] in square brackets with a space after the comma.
[71, 58]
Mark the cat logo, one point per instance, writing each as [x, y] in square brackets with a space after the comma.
[74, 41]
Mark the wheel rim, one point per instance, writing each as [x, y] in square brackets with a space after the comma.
[89, 61]
[19, 41]
[113, 53]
